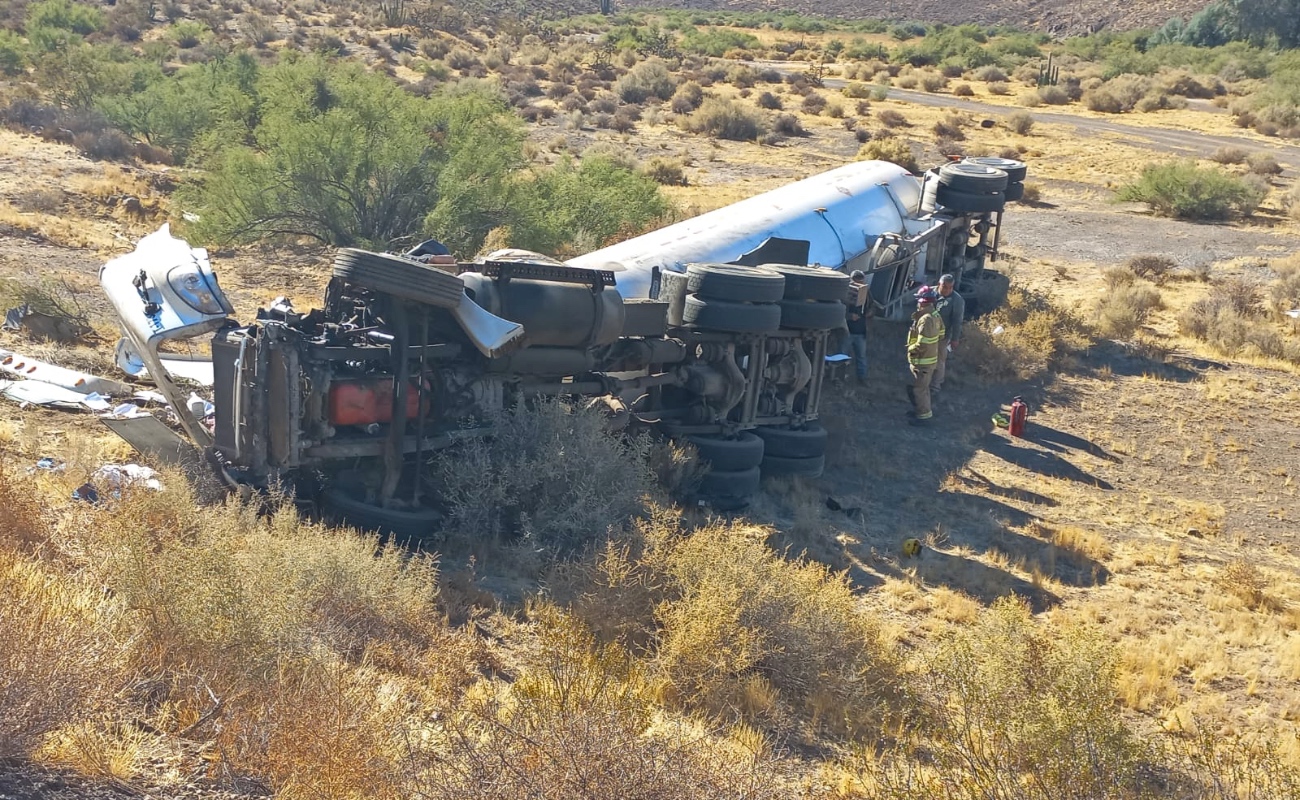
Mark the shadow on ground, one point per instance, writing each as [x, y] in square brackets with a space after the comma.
[886, 482]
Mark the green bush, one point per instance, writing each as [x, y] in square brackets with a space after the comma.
[13, 53]
[79, 18]
[587, 205]
[725, 119]
[1183, 190]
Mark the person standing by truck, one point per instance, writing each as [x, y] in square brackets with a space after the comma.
[923, 352]
[859, 309]
[952, 309]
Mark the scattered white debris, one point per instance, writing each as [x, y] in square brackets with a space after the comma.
[998, 329]
[116, 476]
[1294, 313]
[40, 393]
[81, 382]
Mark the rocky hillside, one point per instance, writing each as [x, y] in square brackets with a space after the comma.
[1054, 16]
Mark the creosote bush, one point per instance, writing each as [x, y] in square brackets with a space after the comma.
[1126, 307]
[892, 149]
[1035, 335]
[724, 119]
[1020, 122]
[1182, 189]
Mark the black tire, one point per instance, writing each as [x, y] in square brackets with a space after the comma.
[721, 315]
[972, 178]
[1015, 191]
[729, 455]
[801, 315]
[731, 484]
[1016, 170]
[812, 283]
[809, 442]
[734, 283]
[399, 277]
[954, 200]
[342, 505]
[779, 466]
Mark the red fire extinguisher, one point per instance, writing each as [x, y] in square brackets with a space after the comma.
[1019, 411]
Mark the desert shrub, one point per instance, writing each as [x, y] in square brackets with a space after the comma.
[105, 145]
[687, 98]
[1284, 293]
[1019, 711]
[1033, 193]
[1034, 334]
[856, 91]
[13, 53]
[1021, 122]
[963, 90]
[891, 118]
[892, 149]
[999, 88]
[862, 134]
[1153, 268]
[740, 615]
[990, 74]
[950, 127]
[665, 171]
[461, 59]
[742, 76]
[1053, 95]
[788, 125]
[1229, 155]
[769, 101]
[188, 33]
[229, 592]
[1231, 318]
[908, 81]
[1102, 100]
[813, 104]
[388, 175]
[1291, 202]
[1182, 189]
[1243, 580]
[934, 83]
[578, 722]
[79, 18]
[60, 655]
[645, 80]
[725, 119]
[1124, 309]
[550, 474]
[1029, 99]
[1263, 163]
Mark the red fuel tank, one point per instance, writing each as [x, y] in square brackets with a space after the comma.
[365, 402]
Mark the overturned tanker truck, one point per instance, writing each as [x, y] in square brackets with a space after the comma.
[715, 330]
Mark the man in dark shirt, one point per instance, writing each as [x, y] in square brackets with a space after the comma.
[952, 309]
[859, 307]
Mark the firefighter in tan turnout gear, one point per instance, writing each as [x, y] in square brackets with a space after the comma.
[923, 352]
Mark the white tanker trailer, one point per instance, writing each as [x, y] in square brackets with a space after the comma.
[714, 329]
